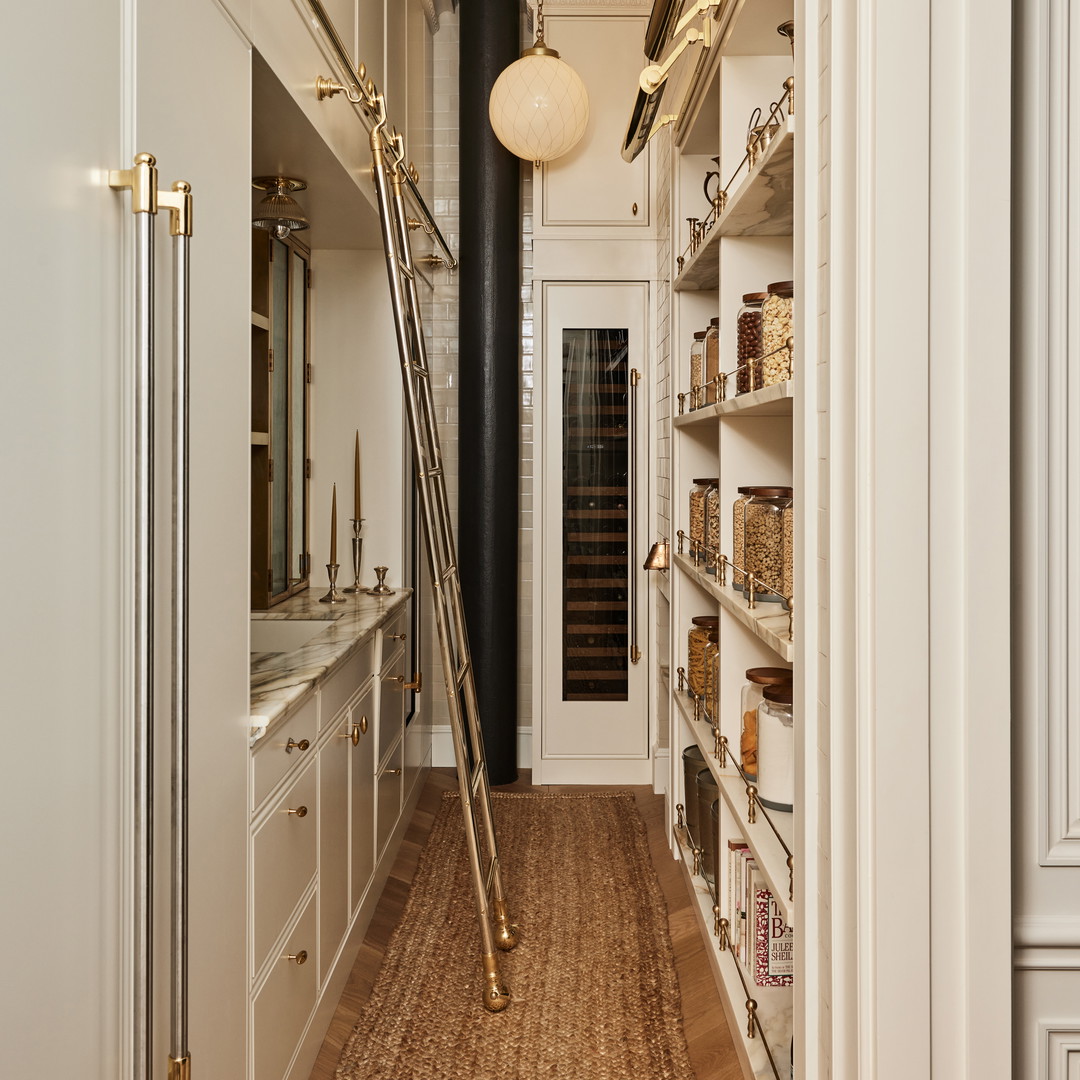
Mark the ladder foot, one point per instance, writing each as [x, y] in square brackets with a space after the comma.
[506, 932]
[496, 995]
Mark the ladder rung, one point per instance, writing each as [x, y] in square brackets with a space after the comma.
[419, 369]
[448, 573]
[405, 270]
[462, 672]
[478, 772]
[491, 874]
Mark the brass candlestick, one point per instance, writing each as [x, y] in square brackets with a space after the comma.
[357, 551]
[333, 596]
[382, 589]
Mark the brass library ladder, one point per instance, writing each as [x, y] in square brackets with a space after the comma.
[496, 930]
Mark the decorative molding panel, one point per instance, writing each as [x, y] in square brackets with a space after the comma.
[1062, 1049]
[1061, 448]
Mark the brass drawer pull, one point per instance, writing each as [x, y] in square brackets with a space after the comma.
[417, 684]
[392, 772]
[300, 811]
[300, 957]
[358, 730]
[396, 637]
[292, 744]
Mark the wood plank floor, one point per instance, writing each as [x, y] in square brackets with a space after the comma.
[711, 1049]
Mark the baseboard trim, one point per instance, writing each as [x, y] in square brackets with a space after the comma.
[442, 747]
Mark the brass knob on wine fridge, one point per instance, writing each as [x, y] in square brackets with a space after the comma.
[300, 957]
[292, 745]
[300, 811]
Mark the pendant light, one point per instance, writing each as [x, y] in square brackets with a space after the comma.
[278, 212]
[538, 106]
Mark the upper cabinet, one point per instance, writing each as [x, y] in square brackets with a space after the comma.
[591, 187]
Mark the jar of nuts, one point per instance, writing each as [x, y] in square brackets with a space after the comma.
[748, 324]
[789, 552]
[776, 328]
[738, 533]
[696, 640]
[765, 557]
[712, 362]
[697, 516]
[757, 678]
[712, 528]
[697, 370]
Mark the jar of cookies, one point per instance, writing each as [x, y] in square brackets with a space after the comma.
[757, 678]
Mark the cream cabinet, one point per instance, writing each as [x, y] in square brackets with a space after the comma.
[329, 810]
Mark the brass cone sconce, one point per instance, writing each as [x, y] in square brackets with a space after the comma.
[278, 212]
[658, 557]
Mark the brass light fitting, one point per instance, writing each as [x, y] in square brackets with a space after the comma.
[278, 212]
[658, 557]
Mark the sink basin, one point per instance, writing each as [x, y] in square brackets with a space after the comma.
[284, 635]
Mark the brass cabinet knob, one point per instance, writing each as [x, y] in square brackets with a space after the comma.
[396, 637]
[358, 730]
[363, 725]
[300, 811]
[300, 957]
[292, 745]
[417, 683]
[634, 208]
[392, 772]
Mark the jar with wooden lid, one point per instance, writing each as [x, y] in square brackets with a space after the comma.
[748, 329]
[789, 551]
[763, 525]
[738, 533]
[776, 328]
[697, 516]
[712, 361]
[757, 678]
[776, 748]
[701, 627]
[712, 677]
[697, 369]
[712, 528]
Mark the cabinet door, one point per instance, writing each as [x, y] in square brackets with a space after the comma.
[334, 839]
[592, 185]
[361, 746]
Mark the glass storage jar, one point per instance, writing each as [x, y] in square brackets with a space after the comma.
[763, 539]
[712, 361]
[697, 369]
[697, 516]
[789, 551]
[776, 748]
[707, 793]
[738, 534]
[696, 640]
[757, 678]
[776, 328]
[748, 324]
[693, 762]
[712, 681]
[712, 528]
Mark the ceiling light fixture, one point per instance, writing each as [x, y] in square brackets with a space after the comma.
[539, 108]
[278, 212]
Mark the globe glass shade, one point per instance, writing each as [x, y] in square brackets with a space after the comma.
[539, 108]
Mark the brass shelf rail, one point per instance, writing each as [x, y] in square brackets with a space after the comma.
[696, 396]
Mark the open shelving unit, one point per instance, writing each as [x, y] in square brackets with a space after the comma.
[743, 439]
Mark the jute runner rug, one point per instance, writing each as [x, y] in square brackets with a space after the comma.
[593, 980]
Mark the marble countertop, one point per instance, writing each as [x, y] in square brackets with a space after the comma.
[281, 680]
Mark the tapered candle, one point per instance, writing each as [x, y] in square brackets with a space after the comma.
[356, 479]
[333, 527]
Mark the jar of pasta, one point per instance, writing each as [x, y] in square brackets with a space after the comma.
[712, 528]
[763, 540]
[712, 362]
[696, 640]
[757, 678]
[712, 677]
[697, 370]
[776, 328]
[697, 516]
[748, 330]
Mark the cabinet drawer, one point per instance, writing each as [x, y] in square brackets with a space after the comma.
[388, 796]
[284, 860]
[394, 635]
[391, 703]
[274, 757]
[286, 1000]
[345, 681]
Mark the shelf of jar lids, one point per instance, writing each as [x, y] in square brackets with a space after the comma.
[768, 621]
[768, 833]
[762, 205]
[764, 1010]
[774, 400]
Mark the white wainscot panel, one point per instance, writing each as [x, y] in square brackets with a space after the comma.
[1047, 1036]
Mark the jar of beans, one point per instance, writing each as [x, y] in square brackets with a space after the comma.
[697, 369]
[757, 678]
[697, 516]
[712, 362]
[738, 533]
[776, 328]
[748, 324]
[701, 626]
[712, 528]
[763, 522]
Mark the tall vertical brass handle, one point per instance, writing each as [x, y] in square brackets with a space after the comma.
[631, 477]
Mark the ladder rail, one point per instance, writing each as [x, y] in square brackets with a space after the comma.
[495, 928]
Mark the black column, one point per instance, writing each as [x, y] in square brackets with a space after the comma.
[489, 279]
